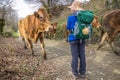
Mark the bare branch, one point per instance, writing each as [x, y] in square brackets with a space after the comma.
[5, 7]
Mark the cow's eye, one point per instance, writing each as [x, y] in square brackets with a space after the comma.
[41, 17]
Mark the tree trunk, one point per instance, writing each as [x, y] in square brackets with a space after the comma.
[115, 4]
[49, 5]
[2, 23]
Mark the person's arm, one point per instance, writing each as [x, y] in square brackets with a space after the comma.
[68, 23]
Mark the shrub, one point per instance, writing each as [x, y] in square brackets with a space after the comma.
[11, 33]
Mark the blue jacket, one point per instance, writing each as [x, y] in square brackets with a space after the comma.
[70, 26]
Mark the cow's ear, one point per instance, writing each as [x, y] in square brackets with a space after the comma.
[56, 23]
[50, 16]
[96, 17]
[41, 9]
[44, 11]
[36, 14]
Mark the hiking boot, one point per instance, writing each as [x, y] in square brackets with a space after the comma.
[82, 76]
[74, 77]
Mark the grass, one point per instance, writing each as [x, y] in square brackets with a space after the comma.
[60, 30]
[11, 33]
[15, 34]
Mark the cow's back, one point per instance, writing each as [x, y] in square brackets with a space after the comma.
[111, 25]
[112, 19]
[30, 27]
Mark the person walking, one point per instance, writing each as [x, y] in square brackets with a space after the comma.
[77, 45]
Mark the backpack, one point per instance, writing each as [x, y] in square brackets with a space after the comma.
[83, 27]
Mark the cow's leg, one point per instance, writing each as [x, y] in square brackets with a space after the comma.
[66, 34]
[24, 43]
[54, 34]
[103, 38]
[112, 36]
[117, 53]
[48, 35]
[51, 35]
[29, 43]
[43, 45]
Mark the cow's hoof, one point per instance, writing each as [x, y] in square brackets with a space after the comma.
[99, 47]
[117, 53]
[66, 40]
[25, 47]
[33, 54]
[45, 57]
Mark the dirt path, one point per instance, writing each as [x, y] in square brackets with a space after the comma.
[101, 64]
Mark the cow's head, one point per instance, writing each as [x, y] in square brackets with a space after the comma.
[43, 18]
[54, 26]
[95, 22]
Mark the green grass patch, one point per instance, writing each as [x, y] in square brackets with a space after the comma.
[15, 34]
[11, 33]
[60, 33]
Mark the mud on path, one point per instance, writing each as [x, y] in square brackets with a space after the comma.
[16, 63]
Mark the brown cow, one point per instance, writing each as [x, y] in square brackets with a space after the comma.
[52, 32]
[32, 27]
[110, 27]
[95, 23]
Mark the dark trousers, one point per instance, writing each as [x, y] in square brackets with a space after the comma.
[78, 52]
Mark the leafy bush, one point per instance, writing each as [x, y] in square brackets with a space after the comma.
[7, 34]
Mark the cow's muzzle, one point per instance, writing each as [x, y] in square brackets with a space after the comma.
[50, 28]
